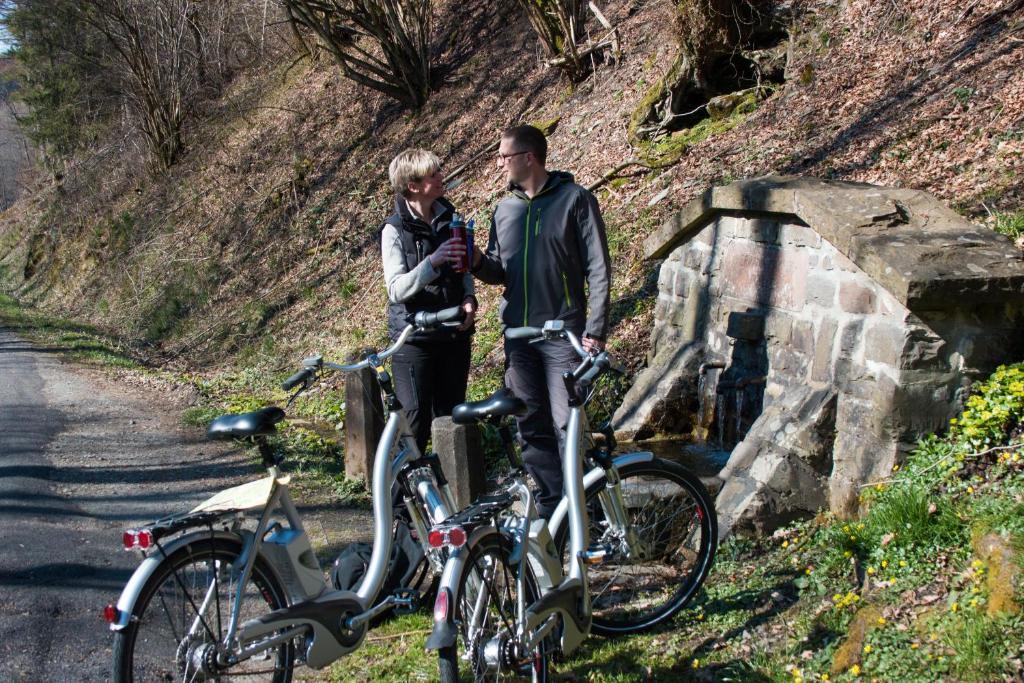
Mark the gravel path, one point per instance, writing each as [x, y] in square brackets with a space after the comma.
[84, 455]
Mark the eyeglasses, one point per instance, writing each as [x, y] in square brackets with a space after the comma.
[505, 157]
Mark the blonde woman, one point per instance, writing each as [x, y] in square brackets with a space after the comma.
[431, 370]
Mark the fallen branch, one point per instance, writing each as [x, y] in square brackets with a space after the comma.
[615, 171]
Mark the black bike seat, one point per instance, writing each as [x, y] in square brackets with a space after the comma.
[256, 423]
[499, 404]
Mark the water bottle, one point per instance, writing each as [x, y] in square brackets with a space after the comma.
[458, 228]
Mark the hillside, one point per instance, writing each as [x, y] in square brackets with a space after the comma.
[260, 243]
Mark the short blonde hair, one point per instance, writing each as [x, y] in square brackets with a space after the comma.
[411, 165]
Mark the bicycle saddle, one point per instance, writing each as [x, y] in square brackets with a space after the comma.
[499, 404]
[256, 423]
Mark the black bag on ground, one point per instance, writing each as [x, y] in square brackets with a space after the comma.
[407, 566]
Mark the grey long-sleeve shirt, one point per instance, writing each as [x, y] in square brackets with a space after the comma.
[402, 283]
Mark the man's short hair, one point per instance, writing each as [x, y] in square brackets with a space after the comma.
[528, 139]
[411, 166]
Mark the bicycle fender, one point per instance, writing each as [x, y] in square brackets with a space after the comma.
[444, 632]
[591, 478]
[130, 593]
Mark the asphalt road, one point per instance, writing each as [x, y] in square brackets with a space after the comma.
[84, 455]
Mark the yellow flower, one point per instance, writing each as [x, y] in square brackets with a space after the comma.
[895, 468]
[855, 670]
[871, 571]
[785, 544]
[977, 563]
[885, 563]
[881, 621]
[860, 527]
[954, 607]
[903, 563]
[807, 571]
[914, 646]
[970, 489]
[824, 677]
[696, 664]
[974, 602]
[847, 554]
[867, 649]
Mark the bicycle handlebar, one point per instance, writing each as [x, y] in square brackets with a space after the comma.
[421, 321]
[592, 366]
[300, 377]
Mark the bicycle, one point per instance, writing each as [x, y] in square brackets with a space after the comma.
[510, 591]
[233, 587]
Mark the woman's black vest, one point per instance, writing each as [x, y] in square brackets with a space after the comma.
[418, 242]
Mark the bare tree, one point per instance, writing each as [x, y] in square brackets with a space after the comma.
[559, 25]
[157, 43]
[381, 44]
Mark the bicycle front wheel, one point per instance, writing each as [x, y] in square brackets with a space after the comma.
[485, 618]
[183, 612]
[659, 562]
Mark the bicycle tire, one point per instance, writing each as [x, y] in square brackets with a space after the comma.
[153, 646]
[656, 493]
[492, 550]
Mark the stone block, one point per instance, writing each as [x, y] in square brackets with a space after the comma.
[799, 236]
[857, 297]
[746, 326]
[666, 276]
[681, 285]
[821, 289]
[821, 371]
[459, 448]
[883, 343]
[663, 399]
[758, 230]
[779, 327]
[364, 423]
[803, 337]
[693, 258]
[847, 364]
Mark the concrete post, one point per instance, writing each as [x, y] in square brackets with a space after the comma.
[461, 452]
[364, 422]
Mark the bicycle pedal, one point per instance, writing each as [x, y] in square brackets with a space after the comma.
[596, 554]
[406, 600]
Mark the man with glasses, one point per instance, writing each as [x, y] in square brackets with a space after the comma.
[547, 246]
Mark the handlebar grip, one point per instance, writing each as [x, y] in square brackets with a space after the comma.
[425, 320]
[298, 378]
[601, 363]
[524, 333]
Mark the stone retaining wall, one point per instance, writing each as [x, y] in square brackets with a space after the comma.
[871, 309]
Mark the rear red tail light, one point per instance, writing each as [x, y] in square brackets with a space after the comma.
[435, 539]
[455, 537]
[137, 539]
[441, 605]
[110, 614]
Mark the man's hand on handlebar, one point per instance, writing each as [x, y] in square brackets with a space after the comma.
[593, 345]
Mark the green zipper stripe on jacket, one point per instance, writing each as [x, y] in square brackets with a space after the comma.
[526, 261]
[565, 283]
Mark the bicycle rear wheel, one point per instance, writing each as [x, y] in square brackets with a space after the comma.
[674, 520]
[184, 609]
[485, 617]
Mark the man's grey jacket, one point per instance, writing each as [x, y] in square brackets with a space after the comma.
[547, 250]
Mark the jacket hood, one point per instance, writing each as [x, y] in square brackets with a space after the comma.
[555, 179]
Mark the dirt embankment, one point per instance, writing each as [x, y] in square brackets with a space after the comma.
[261, 243]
